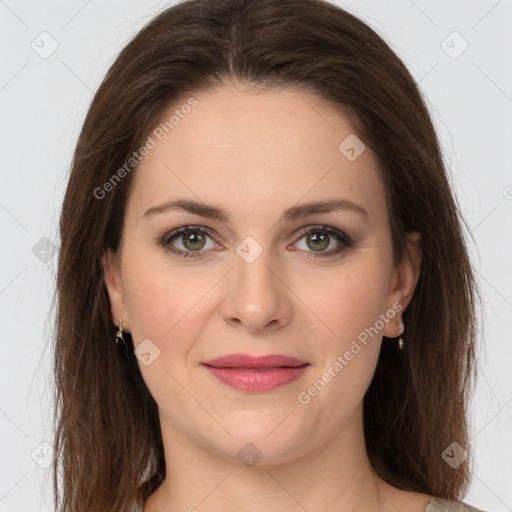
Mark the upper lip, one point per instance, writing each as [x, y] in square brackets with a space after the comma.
[248, 361]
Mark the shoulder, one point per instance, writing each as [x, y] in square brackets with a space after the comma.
[442, 505]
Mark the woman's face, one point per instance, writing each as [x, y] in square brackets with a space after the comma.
[255, 282]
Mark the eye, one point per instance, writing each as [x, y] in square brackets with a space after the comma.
[192, 240]
[320, 238]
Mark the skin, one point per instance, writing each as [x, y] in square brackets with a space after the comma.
[282, 151]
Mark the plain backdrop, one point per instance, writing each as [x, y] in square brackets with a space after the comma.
[54, 55]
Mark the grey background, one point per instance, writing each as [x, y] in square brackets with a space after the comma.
[43, 103]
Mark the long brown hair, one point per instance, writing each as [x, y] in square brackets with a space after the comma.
[108, 439]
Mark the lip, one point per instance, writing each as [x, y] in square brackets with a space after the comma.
[248, 361]
[256, 373]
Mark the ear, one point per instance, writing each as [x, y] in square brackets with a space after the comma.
[404, 280]
[114, 285]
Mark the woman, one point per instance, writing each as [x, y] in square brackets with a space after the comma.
[265, 297]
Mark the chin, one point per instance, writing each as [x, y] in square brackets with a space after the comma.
[261, 437]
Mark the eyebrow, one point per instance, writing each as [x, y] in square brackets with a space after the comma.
[290, 215]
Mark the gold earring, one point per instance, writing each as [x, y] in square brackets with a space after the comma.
[400, 340]
[119, 333]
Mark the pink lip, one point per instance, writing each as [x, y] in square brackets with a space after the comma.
[256, 373]
[248, 361]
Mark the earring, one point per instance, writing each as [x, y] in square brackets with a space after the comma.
[119, 333]
[400, 340]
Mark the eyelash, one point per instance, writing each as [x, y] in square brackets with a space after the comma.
[345, 240]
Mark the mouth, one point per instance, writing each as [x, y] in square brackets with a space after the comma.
[256, 373]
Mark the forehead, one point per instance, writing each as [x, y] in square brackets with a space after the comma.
[240, 148]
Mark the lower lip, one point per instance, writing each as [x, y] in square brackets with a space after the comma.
[252, 379]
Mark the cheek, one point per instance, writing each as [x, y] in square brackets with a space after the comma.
[165, 303]
[351, 306]
[352, 298]
[165, 306]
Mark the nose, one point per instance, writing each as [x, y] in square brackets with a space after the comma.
[256, 295]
